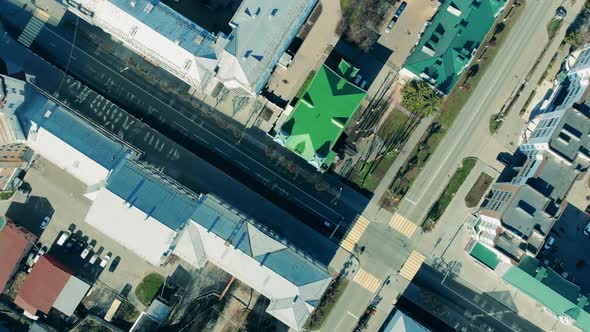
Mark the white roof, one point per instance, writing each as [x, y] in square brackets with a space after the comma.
[129, 226]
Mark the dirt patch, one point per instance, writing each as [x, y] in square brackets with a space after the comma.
[480, 187]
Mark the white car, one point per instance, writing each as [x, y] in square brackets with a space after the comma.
[93, 259]
[85, 252]
[105, 260]
[63, 237]
[45, 222]
[549, 242]
[40, 253]
[587, 229]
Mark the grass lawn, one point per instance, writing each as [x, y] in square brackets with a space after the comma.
[368, 175]
[553, 27]
[496, 122]
[480, 187]
[148, 287]
[439, 207]
[327, 302]
[6, 194]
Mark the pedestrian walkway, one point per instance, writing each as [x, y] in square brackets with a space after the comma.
[366, 280]
[32, 29]
[403, 225]
[412, 265]
[355, 233]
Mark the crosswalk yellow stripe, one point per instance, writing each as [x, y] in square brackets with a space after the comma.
[412, 265]
[367, 280]
[355, 234]
[402, 225]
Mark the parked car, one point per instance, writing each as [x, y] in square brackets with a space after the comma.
[105, 260]
[85, 252]
[114, 264]
[560, 12]
[587, 229]
[549, 242]
[93, 259]
[40, 253]
[45, 222]
[396, 16]
[63, 237]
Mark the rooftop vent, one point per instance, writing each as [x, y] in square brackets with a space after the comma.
[247, 11]
[132, 3]
[274, 12]
[258, 10]
[199, 39]
[47, 114]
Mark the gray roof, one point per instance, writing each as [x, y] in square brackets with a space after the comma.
[71, 295]
[158, 310]
[402, 323]
[262, 32]
[572, 135]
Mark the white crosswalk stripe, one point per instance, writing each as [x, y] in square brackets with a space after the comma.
[355, 233]
[367, 280]
[412, 265]
[33, 28]
[403, 225]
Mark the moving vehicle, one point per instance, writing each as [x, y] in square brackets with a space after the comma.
[396, 16]
[45, 222]
[63, 237]
[587, 229]
[105, 260]
[114, 264]
[549, 242]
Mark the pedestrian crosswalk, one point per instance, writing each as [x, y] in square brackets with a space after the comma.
[403, 225]
[32, 29]
[412, 265]
[355, 233]
[366, 280]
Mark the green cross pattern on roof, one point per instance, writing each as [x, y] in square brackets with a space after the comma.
[321, 115]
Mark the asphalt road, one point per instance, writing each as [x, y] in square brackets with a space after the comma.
[161, 152]
[201, 130]
[469, 131]
[466, 309]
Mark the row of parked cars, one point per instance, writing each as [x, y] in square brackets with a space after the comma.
[68, 242]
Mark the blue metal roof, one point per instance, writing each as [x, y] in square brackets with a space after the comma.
[231, 225]
[153, 193]
[70, 128]
[171, 25]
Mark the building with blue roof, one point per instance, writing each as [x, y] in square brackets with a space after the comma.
[218, 233]
[242, 61]
[67, 139]
[142, 209]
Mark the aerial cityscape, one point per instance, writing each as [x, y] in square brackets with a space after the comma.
[294, 165]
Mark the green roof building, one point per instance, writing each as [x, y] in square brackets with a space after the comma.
[450, 41]
[547, 287]
[321, 115]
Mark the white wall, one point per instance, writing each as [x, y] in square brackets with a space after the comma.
[66, 157]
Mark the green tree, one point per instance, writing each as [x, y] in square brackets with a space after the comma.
[419, 98]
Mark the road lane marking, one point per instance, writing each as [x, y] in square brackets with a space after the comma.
[366, 280]
[355, 233]
[409, 200]
[412, 265]
[403, 225]
[353, 316]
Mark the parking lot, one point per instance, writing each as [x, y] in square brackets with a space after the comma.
[568, 255]
[57, 194]
[404, 34]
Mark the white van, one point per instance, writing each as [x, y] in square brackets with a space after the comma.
[63, 237]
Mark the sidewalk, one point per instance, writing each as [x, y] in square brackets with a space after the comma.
[374, 211]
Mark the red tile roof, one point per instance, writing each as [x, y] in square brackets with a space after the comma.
[43, 285]
[13, 244]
